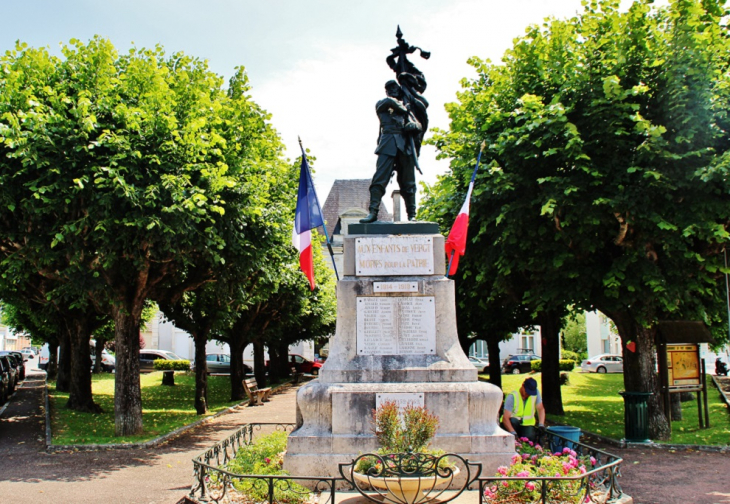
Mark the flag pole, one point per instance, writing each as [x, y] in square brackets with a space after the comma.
[448, 268]
[324, 224]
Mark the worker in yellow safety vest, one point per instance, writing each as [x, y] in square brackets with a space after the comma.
[520, 408]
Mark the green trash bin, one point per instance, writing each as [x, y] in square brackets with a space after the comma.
[636, 416]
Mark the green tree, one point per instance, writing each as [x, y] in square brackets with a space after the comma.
[139, 169]
[574, 334]
[608, 175]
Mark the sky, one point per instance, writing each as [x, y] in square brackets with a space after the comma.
[318, 66]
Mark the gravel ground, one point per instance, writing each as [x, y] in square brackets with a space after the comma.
[163, 474]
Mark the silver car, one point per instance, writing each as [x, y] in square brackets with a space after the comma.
[603, 363]
[482, 364]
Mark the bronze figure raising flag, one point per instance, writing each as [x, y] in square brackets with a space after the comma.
[403, 123]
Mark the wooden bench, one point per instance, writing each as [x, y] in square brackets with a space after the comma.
[296, 376]
[256, 396]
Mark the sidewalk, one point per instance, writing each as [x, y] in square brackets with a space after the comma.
[150, 476]
[163, 475]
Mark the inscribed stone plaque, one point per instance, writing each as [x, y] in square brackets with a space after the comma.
[402, 399]
[394, 255]
[395, 286]
[396, 325]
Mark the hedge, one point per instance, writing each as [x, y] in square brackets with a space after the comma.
[171, 365]
[565, 365]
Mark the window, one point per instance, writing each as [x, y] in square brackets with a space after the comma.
[225, 358]
[211, 358]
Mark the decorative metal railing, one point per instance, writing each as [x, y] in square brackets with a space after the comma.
[410, 478]
[401, 478]
[598, 485]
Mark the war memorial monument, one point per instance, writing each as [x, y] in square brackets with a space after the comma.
[396, 337]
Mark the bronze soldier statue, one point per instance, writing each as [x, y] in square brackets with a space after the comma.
[403, 122]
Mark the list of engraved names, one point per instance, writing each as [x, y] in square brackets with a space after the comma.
[396, 325]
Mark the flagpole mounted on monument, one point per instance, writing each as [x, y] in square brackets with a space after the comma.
[456, 242]
[308, 216]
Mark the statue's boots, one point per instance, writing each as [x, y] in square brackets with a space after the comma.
[374, 207]
[410, 202]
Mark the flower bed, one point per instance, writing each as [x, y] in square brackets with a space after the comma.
[538, 475]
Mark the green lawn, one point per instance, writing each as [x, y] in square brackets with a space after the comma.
[591, 402]
[164, 409]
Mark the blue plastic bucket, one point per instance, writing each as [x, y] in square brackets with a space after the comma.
[565, 431]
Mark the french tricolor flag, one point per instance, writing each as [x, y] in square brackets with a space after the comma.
[308, 216]
[456, 241]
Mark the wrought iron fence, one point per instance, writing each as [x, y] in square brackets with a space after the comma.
[212, 482]
[599, 485]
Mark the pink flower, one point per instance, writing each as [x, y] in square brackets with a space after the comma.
[530, 485]
[502, 470]
[593, 461]
[525, 456]
[566, 467]
[531, 443]
[566, 450]
[516, 458]
[267, 460]
[490, 492]
[582, 469]
[538, 447]
[523, 474]
[505, 484]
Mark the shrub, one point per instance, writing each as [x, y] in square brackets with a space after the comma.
[564, 365]
[265, 457]
[171, 365]
[574, 356]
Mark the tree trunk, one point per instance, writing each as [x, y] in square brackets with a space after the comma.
[127, 391]
[63, 379]
[80, 397]
[640, 370]
[259, 364]
[98, 349]
[282, 359]
[201, 373]
[552, 398]
[495, 366]
[237, 345]
[676, 407]
[52, 368]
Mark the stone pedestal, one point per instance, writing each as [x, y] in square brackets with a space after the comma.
[396, 338]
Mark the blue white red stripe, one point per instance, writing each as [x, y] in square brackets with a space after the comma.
[308, 216]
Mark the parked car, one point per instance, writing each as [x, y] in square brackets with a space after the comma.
[11, 366]
[4, 381]
[520, 363]
[603, 363]
[482, 365]
[108, 361]
[220, 363]
[147, 359]
[27, 354]
[16, 359]
[303, 365]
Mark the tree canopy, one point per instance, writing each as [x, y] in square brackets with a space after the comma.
[130, 177]
[607, 179]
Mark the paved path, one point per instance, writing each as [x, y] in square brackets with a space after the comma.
[158, 475]
[163, 475]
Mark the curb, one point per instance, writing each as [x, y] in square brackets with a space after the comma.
[50, 448]
[722, 392]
